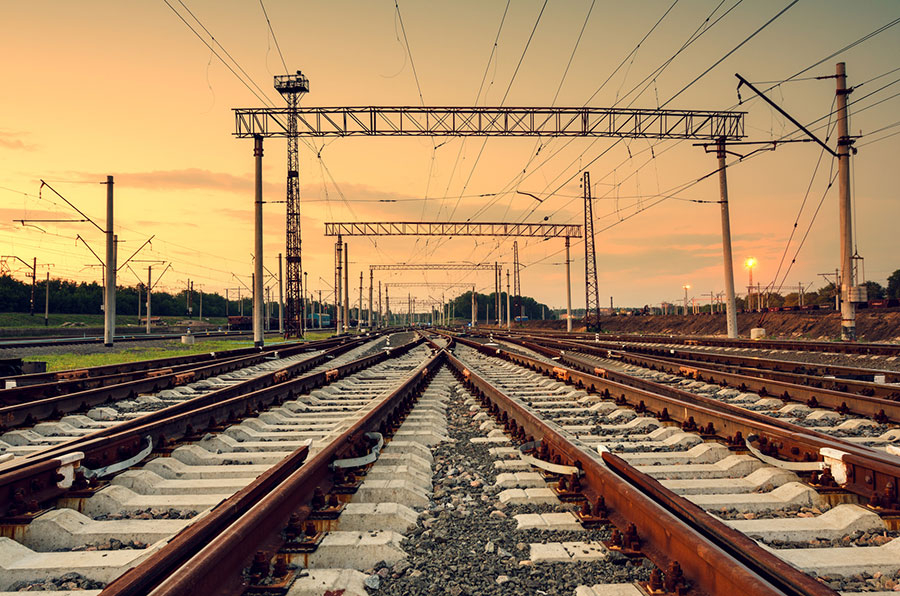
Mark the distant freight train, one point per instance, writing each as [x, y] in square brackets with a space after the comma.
[246, 323]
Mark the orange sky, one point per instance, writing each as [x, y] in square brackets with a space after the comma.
[96, 88]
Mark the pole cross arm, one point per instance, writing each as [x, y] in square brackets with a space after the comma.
[534, 230]
[489, 121]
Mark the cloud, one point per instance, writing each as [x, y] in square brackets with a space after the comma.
[11, 140]
[184, 179]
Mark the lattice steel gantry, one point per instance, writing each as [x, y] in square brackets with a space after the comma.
[292, 87]
[260, 123]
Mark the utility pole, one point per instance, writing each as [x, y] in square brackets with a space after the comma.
[149, 289]
[497, 292]
[47, 301]
[338, 279]
[359, 308]
[380, 321]
[568, 290]
[201, 303]
[281, 299]
[844, 143]
[387, 303]
[508, 313]
[226, 309]
[109, 313]
[730, 306]
[320, 309]
[371, 283]
[258, 339]
[346, 317]
[474, 313]
[33, 283]
[307, 303]
[800, 293]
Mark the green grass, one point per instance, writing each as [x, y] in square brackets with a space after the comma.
[24, 320]
[68, 361]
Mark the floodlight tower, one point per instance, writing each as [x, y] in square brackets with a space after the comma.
[291, 88]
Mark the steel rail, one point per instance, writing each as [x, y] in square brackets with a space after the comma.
[209, 559]
[884, 349]
[36, 342]
[30, 412]
[881, 409]
[769, 364]
[873, 475]
[87, 373]
[665, 539]
[26, 483]
[83, 380]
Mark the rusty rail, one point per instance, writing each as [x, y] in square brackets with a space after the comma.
[871, 474]
[876, 408]
[27, 483]
[94, 378]
[209, 560]
[665, 539]
[755, 344]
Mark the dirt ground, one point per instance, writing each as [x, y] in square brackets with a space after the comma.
[871, 325]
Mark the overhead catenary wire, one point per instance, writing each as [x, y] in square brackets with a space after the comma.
[274, 37]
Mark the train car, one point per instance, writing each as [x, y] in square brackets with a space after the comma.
[240, 323]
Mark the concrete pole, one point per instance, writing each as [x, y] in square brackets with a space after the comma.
[346, 314]
[307, 303]
[473, 306]
[109, 313]
[508, 313]
[338, 280]
[497, 290]
[258, 247]
[848, 308]
[730, 307]
[380, 321]
[359, 308]
[34, 283]
[201, 303]
[280, 297]
[568, 289]
[387, 303]
[149, 289]
[371, 291]
[320, 309]
[47, 301]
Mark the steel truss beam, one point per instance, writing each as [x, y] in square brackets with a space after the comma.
[432, 267]
[452, 229]
[425, 284]
[491, 121]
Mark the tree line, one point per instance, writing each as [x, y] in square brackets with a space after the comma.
[71, 297]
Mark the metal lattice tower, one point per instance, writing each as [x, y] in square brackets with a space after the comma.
[292, 87]
[591, 288]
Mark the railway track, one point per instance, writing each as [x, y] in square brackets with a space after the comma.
[452, 466]
[780, 393]
[33, 342]
[856, 348]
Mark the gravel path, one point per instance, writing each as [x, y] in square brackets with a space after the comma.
[467, 541]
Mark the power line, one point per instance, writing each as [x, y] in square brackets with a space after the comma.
[262, 98]
[272, 31]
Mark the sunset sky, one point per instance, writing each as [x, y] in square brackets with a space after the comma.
[98, 88]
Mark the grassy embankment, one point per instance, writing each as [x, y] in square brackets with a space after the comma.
[24, 320]
[68, 361]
